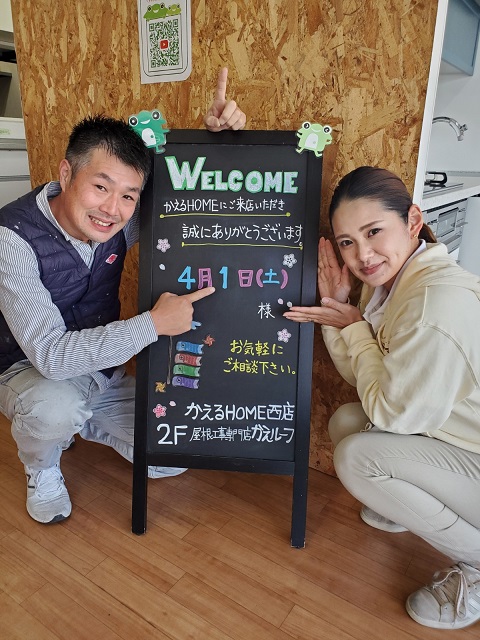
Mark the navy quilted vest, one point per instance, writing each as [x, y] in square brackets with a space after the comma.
[86, 297]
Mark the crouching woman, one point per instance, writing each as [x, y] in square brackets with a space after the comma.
[409, 450]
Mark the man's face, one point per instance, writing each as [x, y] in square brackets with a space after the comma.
[99, 200]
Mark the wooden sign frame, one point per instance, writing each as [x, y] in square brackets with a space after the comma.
[220, 152]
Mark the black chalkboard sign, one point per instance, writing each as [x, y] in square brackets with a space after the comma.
[238, 211]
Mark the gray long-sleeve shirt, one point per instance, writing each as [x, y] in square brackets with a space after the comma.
[37, 324]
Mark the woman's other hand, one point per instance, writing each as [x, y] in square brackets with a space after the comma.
[332, 313]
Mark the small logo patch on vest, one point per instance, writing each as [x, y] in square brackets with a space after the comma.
[111, 258]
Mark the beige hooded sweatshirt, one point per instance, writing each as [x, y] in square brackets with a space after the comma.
[421, 372]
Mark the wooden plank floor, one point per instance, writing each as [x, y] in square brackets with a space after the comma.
[215, 563]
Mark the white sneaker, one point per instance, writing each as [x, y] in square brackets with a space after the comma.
[47, 496]
[165, 472]
[452, 601]
[377, 521]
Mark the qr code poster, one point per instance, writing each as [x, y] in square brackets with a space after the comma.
[165, 36]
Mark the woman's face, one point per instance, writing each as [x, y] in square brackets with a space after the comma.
[375, 242]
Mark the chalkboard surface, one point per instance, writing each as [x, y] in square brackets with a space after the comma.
[238, 211]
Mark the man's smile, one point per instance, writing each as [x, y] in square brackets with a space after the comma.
[101, 223]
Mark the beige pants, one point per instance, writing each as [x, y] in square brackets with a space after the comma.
[430, 487]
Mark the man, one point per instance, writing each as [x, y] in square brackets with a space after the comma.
[62, 345]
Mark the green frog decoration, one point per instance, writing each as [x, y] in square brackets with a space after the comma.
[314, 137]
[149, 126]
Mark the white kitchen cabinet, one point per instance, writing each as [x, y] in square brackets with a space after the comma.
[461, 34]
[456, 95]
[469, 256]
[14, 168]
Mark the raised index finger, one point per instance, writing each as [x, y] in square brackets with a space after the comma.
[198, 295]
[221, 90]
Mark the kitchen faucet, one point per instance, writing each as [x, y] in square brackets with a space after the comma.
[457, 127]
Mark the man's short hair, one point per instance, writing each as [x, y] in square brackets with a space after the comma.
[112, 135]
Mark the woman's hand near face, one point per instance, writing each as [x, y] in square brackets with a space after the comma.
[333, 281]
[334, 288]
[332, 313]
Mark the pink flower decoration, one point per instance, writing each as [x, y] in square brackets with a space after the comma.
[160, 411]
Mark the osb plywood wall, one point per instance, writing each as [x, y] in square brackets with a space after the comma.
[359, 65]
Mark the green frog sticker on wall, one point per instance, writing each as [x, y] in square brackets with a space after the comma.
[160, 10]
[314, 137]
[149, 126]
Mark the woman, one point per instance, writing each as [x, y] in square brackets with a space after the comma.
[410, 449]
